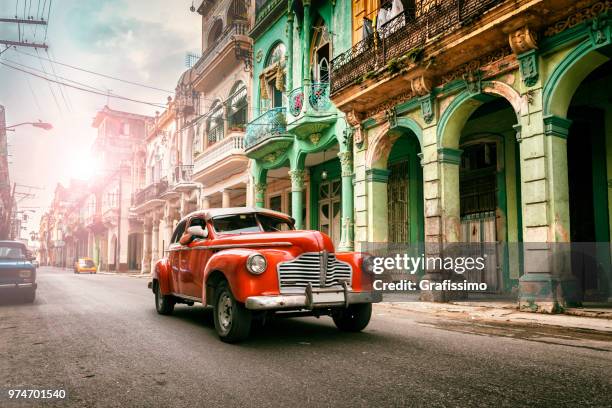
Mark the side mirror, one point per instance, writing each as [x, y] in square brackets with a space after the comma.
[197, 231]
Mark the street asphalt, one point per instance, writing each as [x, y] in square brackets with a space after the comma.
[99, 338]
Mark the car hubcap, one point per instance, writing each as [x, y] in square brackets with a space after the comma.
[159, 299]
[224, 312]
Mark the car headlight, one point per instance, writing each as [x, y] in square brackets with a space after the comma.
[25, 273]
[256, 264]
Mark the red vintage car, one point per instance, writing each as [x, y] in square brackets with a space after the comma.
[250, 263]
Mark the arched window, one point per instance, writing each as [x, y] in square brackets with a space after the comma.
[215, 33]
[320, 52]
[215, 124]
[238, 105]
[272, 79]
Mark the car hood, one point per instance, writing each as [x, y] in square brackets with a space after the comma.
[308, 241]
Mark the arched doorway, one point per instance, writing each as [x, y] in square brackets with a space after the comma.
[589, 167]
[489, 193]
[405, 191]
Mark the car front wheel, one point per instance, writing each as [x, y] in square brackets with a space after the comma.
[232, 319]
[353, 319]
[164, 304]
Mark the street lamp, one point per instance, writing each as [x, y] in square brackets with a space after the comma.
[39, 124]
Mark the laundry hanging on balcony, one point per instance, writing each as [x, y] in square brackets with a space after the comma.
[387, 12]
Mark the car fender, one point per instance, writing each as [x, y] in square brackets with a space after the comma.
[361, 281]
[161, 274]
[230, 264]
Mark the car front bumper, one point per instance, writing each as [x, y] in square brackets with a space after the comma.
[17, 286]
[312, 298]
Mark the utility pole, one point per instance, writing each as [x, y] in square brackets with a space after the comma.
[21, 43]
[5, 183]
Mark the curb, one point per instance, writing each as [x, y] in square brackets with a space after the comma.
[500, 315]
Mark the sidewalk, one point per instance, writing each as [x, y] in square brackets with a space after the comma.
[597, 319]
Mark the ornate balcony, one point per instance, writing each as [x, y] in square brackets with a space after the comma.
[150, 194]
[267, 134]
[224, 158]
[310, 109]
[182, 174]
[404, 37]
[222, 56]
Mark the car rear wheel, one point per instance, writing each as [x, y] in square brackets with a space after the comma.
[29, 295]
[164, 304]
[232, 319]
[353, 319]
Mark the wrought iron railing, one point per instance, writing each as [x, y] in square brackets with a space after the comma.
[219, 151]
[150, 192]
[235, 28]
[296, 101]
[319, 96]
[404, 34]
[272, 123]
[182, 173]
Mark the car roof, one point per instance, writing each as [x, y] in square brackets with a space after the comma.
[215, 212]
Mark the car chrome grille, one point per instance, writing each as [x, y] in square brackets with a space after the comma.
[320, 269]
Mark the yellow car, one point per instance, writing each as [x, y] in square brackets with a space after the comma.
[85, 265]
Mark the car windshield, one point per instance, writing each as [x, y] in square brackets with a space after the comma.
[248, 223]
[88, 263]
[11, 251]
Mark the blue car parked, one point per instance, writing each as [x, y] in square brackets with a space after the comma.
[17, 273]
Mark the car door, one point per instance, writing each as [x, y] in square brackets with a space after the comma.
[193, 262]
[174, 254]
[198, 257]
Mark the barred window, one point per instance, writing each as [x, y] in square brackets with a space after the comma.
[215, 124]
[238, 106]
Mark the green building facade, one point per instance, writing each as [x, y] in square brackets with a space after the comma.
[297, 133]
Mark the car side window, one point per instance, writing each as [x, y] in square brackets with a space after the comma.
[178, 232]
[197, 221]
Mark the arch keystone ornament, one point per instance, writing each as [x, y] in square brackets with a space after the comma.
[524, 44]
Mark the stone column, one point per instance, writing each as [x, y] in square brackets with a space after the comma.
[225, 198]
[260, 194]
[146, 247]
[297, 194]
[376, 189]
[90, 244]
[306, 42]
[347, 234]
[290, 18]
[205, 203]
[168, 230]
[155, 243]
[547, 284]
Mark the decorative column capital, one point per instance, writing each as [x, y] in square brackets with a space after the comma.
[297, 179]
[346, 163]
[449, 155]
[377, 175]
[354, 119]
[556, 126]
[524, 44]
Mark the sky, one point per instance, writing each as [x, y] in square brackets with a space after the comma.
[143, 41]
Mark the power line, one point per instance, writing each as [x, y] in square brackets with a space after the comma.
[158, 105]
[58, 77]
[102, 75]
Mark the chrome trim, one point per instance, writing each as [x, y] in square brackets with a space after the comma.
[229, 246]
[255, 245]
[18, 285]
[283, 302]
[322, 273]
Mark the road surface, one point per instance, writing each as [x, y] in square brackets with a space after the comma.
[99, 338]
